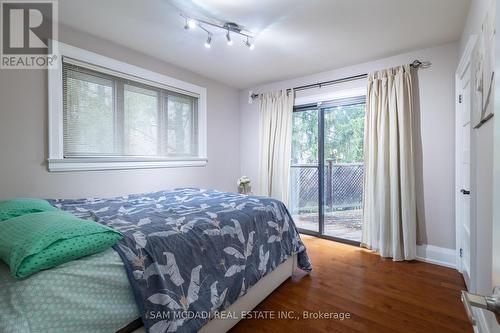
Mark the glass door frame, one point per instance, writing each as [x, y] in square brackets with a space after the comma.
[320, 108]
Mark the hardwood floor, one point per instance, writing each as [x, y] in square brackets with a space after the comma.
[380, 295]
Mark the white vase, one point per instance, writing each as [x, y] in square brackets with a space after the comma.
[244, 189]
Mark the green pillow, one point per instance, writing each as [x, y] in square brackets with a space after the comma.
[17, 207]
[37, 241]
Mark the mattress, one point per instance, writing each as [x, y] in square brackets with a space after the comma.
[91, 294]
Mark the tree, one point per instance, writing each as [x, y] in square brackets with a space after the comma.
[343, 135]
[305, 137]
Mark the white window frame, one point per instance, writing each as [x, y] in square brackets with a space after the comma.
[56, 160]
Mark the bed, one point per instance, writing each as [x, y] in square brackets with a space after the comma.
[187, 255]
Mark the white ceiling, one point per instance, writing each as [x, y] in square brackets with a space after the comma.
[293, 37]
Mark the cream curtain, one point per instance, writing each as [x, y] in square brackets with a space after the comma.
[275, 133]
[389, 209]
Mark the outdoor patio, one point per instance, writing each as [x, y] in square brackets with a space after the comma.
[341, 224]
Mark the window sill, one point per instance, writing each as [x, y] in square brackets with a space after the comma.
[93, 164]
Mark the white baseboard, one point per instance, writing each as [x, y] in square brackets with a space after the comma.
[437, 255]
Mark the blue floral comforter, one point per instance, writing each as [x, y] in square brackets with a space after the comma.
[190, 252]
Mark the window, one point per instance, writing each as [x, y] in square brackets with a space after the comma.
[106, 115]
[122, 117]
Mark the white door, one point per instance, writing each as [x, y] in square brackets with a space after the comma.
[495, 324]
[464, 228]
[464, 195]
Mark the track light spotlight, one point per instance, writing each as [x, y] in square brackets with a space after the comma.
[209, 40]
[228, 37]
[249, 45]
[190, 24]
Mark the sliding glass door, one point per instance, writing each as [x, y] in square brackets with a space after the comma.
[343, 161]
[326, 198]
[304, 172]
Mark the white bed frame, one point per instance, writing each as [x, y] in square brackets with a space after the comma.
[256, 294]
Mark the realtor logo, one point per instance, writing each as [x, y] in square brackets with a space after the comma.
[28, 31]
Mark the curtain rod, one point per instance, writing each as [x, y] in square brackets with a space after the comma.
[415, 64]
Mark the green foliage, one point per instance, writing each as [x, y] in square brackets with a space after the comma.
[344, 133]
[305, 137]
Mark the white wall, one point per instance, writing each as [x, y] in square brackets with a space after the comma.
[23, 136]
[435, 144]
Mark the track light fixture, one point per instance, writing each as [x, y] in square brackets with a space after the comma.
[228, 27]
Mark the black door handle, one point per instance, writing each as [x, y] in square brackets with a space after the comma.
[465, 192]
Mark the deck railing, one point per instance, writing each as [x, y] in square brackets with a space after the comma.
[343, 187]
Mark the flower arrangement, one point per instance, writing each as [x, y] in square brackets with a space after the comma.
[244, 186]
